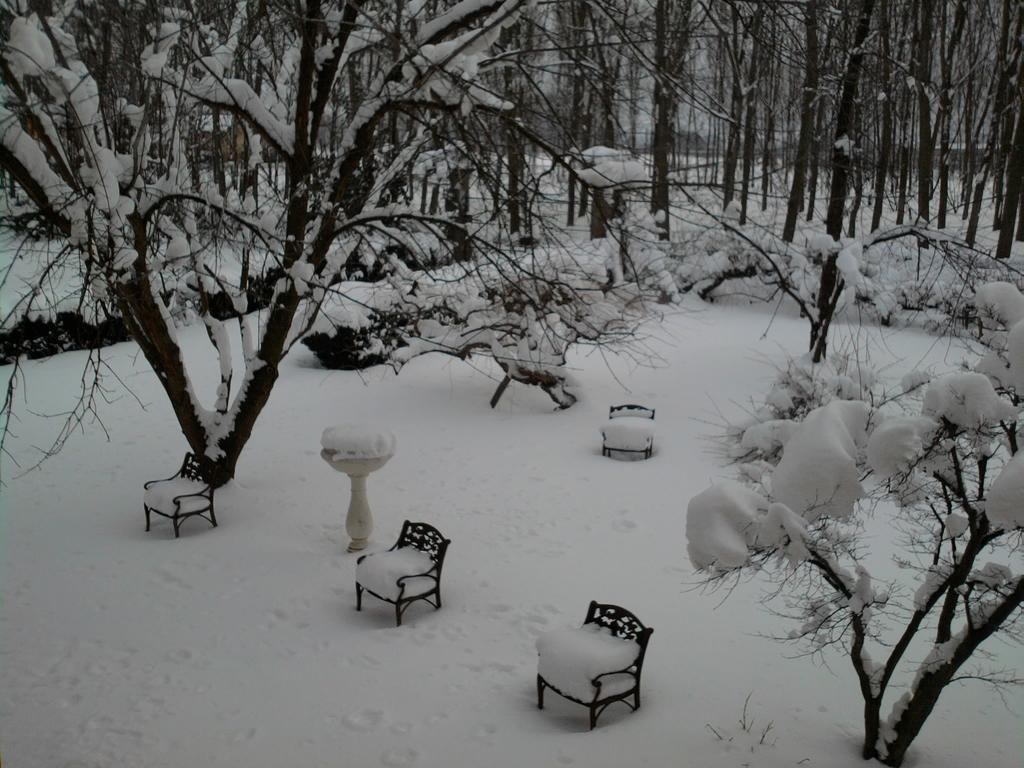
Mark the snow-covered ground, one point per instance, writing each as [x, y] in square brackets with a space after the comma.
[241, 646]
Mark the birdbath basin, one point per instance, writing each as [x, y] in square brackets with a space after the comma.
[357, 451]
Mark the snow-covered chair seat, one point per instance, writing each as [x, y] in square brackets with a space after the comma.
[180, 496]
[597, 664]
[629, 430]
[409, 571]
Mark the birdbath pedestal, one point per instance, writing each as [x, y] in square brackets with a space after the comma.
[357, 452]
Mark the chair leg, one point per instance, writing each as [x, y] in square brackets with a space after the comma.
[593, 717]
[177, 524]
[359, 597]
[438, 596]
[147, 518]
[213, 517]
[636, 699]
[398, 614]
[540, 692]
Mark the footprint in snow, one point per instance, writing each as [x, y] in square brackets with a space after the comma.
[364, 720]
[399, 757]
[485, 731]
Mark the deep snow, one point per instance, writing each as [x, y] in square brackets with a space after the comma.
[241, 646]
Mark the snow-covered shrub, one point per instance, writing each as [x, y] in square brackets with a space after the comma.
[888, 276]
[526, 323]
[361, 345]
[799, 388]
[950, 461]
[42, 337]
[714, 255]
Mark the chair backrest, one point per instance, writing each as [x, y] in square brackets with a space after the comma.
[631, 409]
[619, 622]
[425, 538]
[192, 469]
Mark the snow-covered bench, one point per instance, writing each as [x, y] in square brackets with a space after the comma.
[629, 430]
[597, 664]
[181, 496]
[409, 571]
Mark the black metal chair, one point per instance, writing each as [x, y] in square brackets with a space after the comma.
[619, 684]
[628, 440]
[408, 572]
[188, 493]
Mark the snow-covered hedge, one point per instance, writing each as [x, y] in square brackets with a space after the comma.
[892, 276]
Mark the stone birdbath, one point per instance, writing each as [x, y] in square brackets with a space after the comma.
[357, 450]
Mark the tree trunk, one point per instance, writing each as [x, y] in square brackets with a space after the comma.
[515, 175]
[750, 119]
[1014, 180]
[872, 727]
[903, 182]
[831, 286]
[1000, 130]
[732, 145]
[946, 102]
[1020, 219]
[600, 213]
[807, 117]
[812, 182]
[885, 148]
[925, 146]
[664, 108]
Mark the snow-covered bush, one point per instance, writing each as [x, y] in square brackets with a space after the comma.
[354, 346]
[526, 323]
[951, 463]
[39, 337]
[799, 388]
[886, 277]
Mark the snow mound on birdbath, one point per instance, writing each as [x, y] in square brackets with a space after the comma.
[967, 400]
[1005, 505]
[357, 441]
[896, 444]
[818, 473]
[721, 525]
[570, 659]
[1002, 301]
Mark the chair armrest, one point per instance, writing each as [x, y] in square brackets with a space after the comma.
[204, 494]
[400, 581]
[431, 573]
[148, 483]
[630, 670]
